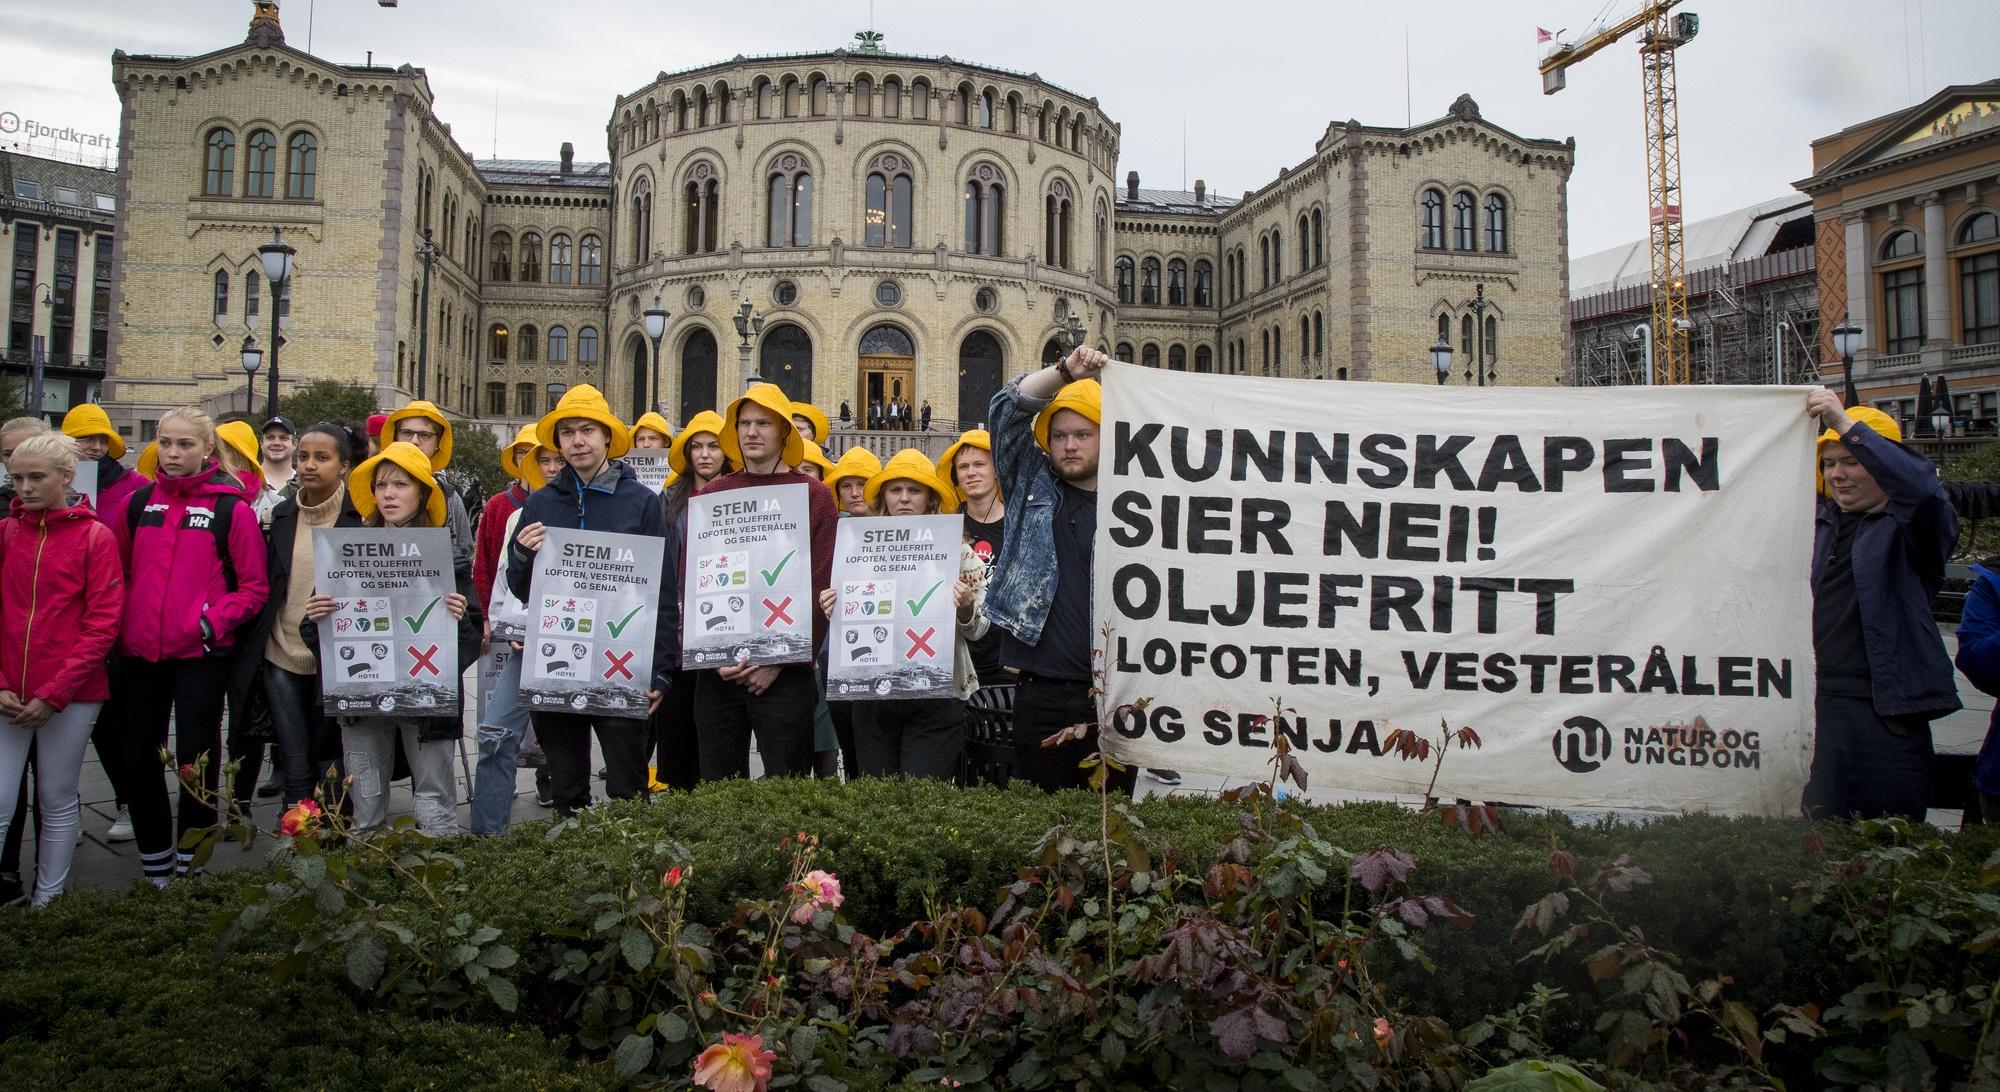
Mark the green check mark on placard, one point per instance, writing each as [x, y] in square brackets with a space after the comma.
[917, 605]
[618, 627]
[417, 624]
[771, 575]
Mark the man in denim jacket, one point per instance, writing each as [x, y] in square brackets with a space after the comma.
[1045, 438]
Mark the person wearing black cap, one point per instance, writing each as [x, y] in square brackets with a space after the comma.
[280, 443]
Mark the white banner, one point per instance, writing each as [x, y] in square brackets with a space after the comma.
[895, 612]
[1611, 587]
[748, 594]
[650, 467]
[593, 605]
[389, 646]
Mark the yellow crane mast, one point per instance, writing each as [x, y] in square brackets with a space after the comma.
[1662, 34]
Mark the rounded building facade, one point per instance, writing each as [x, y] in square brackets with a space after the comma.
[905, 228]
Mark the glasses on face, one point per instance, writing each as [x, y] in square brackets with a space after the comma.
[415, 435]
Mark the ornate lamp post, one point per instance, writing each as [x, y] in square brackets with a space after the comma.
[749, 325]
[277, 257]
[1847, 342]
[1441, 359]
[427, 252]
[253, 358]
[656, 328]
[1478, 305]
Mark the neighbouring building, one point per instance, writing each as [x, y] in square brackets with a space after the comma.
[55, 227]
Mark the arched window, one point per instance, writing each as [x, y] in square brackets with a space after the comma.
[890, 193]
[892, 97]
[527, 343]
[1264, 349]
[1319, 241]
[586, 346]
[1465, 335]
[302, 167]
[1149, 357]
[221, 305]
[1127, 279]
[1177, 283]
[963, 101]
[1979, 281]
[985, 200]
[260, 165]
[558, 345]
[1902, 294]
[864, 96]
[220, 164]
[683, 112]
[252, 300]
[1057, 210]
[590, 264]
[1229, 276]
[786, 358]
[1149, 281]
[1305, 336]
[1278, 255]
[1981, 228]
[496, 343]
[1177, 358]
[652, 121]
[500, 252]
[1901, 244]
[721, 99]
[531, 257]
[1432, 236]
[1204, 284]
[920, 98]
[1278, 350]
[1305, 242]
[1264, 261]
[792, 97]
[766, 98]
[1492, 347]
[1464, 229]
[1204, 359]
[1124, 352]
[819, 95]
[1319, 335]
[1014, 116]
[1496, 223]
[701, 200]
[985, 103]
[790, 193]
[559, 246]
[642, 224]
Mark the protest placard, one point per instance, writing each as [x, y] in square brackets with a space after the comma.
[748, 586]
[894, 629]
[593, 606]
[85, 483]
[390, 646]
[1611, 587]
[650, 467]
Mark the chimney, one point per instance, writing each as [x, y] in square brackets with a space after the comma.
[1131, 185]
[1200, 192]
[568, 157]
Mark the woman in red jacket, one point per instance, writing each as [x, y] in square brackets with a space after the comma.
[195, 575]
[61, 593]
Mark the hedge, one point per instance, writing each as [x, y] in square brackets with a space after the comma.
[103, 991]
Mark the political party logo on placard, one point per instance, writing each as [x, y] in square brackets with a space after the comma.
[593, 604]
[748, 582]
[391, 642]
[894, 628]
[1367, 557]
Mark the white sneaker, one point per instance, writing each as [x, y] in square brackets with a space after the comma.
[121, 831]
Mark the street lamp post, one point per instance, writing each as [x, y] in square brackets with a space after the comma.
[1478, 305]
[1846, 342]
[749, 325]
[1441, 359]
[656, 328]
[277, 257]
[427, 252]
[253, 358]
[38, 358]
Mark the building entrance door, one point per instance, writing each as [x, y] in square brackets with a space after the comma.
[886, 379]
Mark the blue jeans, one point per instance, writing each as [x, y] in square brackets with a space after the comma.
[502, 727]
[295, 725]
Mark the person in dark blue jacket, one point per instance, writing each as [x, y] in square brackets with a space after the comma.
[1883, 533]
[596, 491]
[1979, 658]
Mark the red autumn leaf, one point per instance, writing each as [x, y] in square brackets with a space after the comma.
[1562, 865]
[1376, 869]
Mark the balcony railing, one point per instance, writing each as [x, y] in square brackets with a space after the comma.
[1964, 355]
[21, 358]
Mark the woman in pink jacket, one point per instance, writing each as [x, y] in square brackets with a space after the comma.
[61, 592]
[195, 575]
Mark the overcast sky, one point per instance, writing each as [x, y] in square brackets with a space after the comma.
[1251, 82]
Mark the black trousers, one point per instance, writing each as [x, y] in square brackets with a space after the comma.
[566, 741]
[781, 719]
[677, 742]
[1866, 766]
[1043, 707]
[920, 737]
[192, 693]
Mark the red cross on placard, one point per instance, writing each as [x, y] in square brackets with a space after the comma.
[778, 612]
[618, 664]
[423, 660]
[919, 641]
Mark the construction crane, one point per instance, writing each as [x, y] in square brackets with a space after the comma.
[1661, 36]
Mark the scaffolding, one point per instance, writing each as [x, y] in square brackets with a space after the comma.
[1750, 321]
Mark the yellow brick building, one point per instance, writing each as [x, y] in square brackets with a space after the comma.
[902, 227]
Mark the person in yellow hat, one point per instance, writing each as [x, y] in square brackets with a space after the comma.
[1045, 446]
[775, 703]
[1882, 536]
[424, 425]
[398, 489]
[696, 459]
[968, 466]
[596, 491]
[920, 737]
[810, 421]
[98, 442]
[816, 465]
[849, 479]
[651, 431]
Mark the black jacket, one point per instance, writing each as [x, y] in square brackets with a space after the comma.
[278, 543]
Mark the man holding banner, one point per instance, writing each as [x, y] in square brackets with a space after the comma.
[1045, 437]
